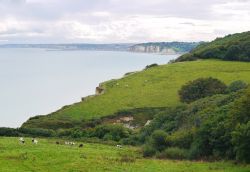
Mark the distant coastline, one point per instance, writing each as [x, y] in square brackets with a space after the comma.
[163, 48]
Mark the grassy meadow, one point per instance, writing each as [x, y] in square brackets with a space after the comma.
[154, 87]
[47, 156]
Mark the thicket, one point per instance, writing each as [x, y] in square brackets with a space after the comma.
[234, 47]
[211, 128]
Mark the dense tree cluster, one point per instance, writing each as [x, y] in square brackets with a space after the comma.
[232, 47]
[201, 88]
[215, 127]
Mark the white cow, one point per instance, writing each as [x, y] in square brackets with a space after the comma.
[35, 141]
[70, 143]
[119, 146]
[21, 140]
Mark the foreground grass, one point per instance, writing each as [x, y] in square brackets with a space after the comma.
[49, 157]
[155, 87]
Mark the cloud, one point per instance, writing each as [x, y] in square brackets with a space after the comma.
[99, 21]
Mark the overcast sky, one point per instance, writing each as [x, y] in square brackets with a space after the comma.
[124, 21]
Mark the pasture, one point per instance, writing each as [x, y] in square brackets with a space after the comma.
[47, 156]
[154, 87]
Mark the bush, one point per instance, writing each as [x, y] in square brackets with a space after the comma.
[63, 132]
[37, 132]
[148, 151]
[201, 88]
[132, 140]
[236, 86]
[233, 53]
[111, 132]
[240, 112]
[150, 66]
[212, 53]
[76, 133]
[241, 142]
[173, 153]
[181, 139]
[158, 139]
[9, 132]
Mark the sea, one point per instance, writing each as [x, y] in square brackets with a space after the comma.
[39, 81]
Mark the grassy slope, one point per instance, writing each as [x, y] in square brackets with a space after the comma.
[156, 87]
[49, 157]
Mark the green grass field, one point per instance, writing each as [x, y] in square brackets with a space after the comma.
[46, 156]
[155, 87]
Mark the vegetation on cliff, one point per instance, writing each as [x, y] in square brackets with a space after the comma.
[234, 47]
[154, 87]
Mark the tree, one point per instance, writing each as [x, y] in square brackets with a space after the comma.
[241, 110]
[201, 88]
[241, 142]
[233, 53]
[236, 86]
[159, 140]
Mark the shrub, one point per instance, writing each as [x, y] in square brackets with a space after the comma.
[63, 132]
[111, 132]
[233, 53]
[158, 139]
[132, 140]
[211, 53]
[240, 112]
[181, 139]
[201, 88]
[241, 142]
[9, 132]
[129, 73]
[76, 133]
[148, 151]
[173, 153]
[150, 66]
[37, 132]
[236, 86]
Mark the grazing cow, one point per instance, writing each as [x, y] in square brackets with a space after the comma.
[35, 141]
[70, 143]
[81, 145]
[57, 143]
[21, 140]
[119, 146]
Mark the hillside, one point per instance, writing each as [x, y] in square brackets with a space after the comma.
[234, 47]
[164, 47]
[154, 87]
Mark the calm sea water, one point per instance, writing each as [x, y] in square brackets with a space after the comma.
[36, 81]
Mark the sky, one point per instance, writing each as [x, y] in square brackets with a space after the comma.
[120, 21]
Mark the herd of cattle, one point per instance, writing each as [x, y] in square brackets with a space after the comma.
[35, 141]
